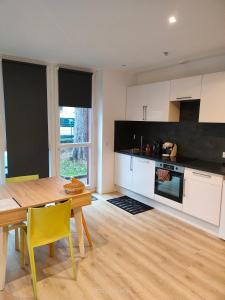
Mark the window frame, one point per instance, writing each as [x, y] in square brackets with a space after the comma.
[88, 144]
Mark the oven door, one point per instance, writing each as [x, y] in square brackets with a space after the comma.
[171, 189]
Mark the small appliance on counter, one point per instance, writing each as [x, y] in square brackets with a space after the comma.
[169, 149]
[148, 149]
[157, 147]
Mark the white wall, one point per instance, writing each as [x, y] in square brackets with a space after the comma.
[2, 128]
[197, 67]
[110, 106]
[98, 127]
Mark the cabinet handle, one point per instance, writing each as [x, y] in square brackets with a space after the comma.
[144, 161]
[131, 163]
[146, 112]
[202, 175]
[179, 98]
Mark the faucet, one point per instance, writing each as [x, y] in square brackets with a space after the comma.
[141, 148]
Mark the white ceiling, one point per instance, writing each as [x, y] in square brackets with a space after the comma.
[109, 33]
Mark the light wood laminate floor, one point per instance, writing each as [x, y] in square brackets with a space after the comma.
[147, 256]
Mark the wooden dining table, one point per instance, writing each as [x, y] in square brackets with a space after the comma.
[16, 198]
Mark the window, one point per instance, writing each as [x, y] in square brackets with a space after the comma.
[26, 119]
[75, 143]
[6, 163]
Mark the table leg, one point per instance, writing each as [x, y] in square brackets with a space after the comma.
[79, 226]
[3, 254]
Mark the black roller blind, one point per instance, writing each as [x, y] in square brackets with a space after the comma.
[25, 95]
[75, 88]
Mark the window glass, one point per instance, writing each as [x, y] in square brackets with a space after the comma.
[74, 125]
[6, 163]
[74, 162]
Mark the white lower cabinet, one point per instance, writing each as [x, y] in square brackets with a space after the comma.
[202, 190]
[123, 170]
[202, 195]
[143, 177]
[222, 217]
[135, 174]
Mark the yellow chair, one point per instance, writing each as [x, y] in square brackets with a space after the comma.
[19, 179]
[45, 226]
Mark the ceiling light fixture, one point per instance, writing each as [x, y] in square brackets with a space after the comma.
[172, 19]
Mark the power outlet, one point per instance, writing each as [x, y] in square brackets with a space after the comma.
[223, 155]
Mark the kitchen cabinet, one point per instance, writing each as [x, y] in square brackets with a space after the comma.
[186, 88]
[149, 102]
[212, 105]
[135, 106]
[202, 195]
[123, 170]
[136, 174]
[143, 179]
[222, 217]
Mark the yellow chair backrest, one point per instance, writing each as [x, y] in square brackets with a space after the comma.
[21, 178]
[48, 224]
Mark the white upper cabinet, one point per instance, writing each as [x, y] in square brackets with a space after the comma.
[149, 102]
[135, 103]
[186, 88]
[212, 106]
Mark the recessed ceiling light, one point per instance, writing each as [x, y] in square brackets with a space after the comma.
[123, 66]
[172, 19]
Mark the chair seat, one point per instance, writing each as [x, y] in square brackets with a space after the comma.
[45, 226]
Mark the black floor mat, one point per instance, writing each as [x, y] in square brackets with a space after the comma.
[130, 205]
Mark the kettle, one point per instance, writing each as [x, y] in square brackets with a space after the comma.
[157, 147]
[169, 149]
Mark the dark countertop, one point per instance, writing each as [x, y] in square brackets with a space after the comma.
[192, 163]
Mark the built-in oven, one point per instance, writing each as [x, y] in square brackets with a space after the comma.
[169, 181]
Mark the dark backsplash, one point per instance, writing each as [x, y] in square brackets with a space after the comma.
[205, 141]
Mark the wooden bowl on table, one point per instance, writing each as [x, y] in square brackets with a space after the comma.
[74, 187]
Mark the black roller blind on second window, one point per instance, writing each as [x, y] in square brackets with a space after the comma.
[75, 88]
[25, 95]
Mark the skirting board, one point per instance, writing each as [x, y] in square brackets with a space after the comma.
[212, 229]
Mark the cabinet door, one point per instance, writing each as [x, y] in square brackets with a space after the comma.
[212, 105]
[143, 180]
[157, 101]
[222, 217]
[135, 103]
[123, 170]
[149, 102]
[202, 196]
[186, 88]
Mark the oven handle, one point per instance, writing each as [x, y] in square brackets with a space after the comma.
[177, 174]
[184, 185]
